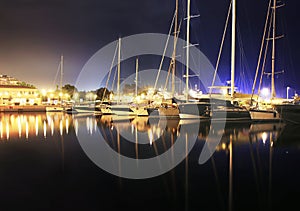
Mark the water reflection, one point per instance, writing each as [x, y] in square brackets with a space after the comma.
[14, 126]
[245, 161]
[133, 132]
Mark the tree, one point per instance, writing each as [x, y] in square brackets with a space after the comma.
[102, 93]
[69, 89]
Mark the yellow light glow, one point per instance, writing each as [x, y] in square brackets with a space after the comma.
[36, 126]
[7, 131]
[264, 137]
[67, 126]
[52, 128]
[224, 91]
[45, 129]
[44, 92]
[26, 129]
[61, 127]
[76, 95]
[150, 136]
[1, 130]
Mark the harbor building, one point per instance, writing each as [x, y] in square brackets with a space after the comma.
[15, 92]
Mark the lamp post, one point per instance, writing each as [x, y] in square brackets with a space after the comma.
[287, 92]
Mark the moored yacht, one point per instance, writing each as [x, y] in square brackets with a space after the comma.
[213, 109]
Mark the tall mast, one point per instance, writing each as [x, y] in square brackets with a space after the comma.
[233, 46]
[187, 50]
[61, 71]
[174, 49]
[136, 75]
[273, 93]
[119, 71]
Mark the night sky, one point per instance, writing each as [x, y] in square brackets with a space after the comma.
[34, 33]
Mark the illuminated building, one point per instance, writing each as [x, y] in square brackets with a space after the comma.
[15, 92]
[18, 95]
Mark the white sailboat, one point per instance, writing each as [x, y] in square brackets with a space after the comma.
[137, 109]
[262, 113]
[211, 107]
[58, 108]
[118, 107]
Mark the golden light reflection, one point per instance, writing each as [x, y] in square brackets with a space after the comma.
[61, 127]
[91, 125]
[150, 136]
[52, 127]
[87, 124]
[26, 130]
[36, 126]
[264, 137]
[7, 130]
[45, 129]
[76, 126]
[19, 126]
[26, 125]
[67, 126]
[1, 130]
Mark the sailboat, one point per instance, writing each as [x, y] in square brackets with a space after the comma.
[59, 108]
[289, 111]
[138, 110]
[217, 109]
[118, 107]
[170, 109]
[163, 106]
[259, 112]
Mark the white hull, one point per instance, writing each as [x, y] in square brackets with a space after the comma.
[261, 115]
[189, 116]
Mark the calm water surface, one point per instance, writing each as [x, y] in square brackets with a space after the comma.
[42, 164]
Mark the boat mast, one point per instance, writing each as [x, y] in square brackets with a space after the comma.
[136, 76]
[187, 50]
[61, 71]
[273, 93]
[119, 71]
[61, 77]
[174, 49]
[233, 46]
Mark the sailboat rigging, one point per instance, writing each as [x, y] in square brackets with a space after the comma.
[214, 108]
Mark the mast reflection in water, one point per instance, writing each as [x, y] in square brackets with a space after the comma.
[43, 165]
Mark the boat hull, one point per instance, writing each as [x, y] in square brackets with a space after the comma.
[264, 115]
[289, 113]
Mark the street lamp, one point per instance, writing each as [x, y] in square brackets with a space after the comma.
[287, 92]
